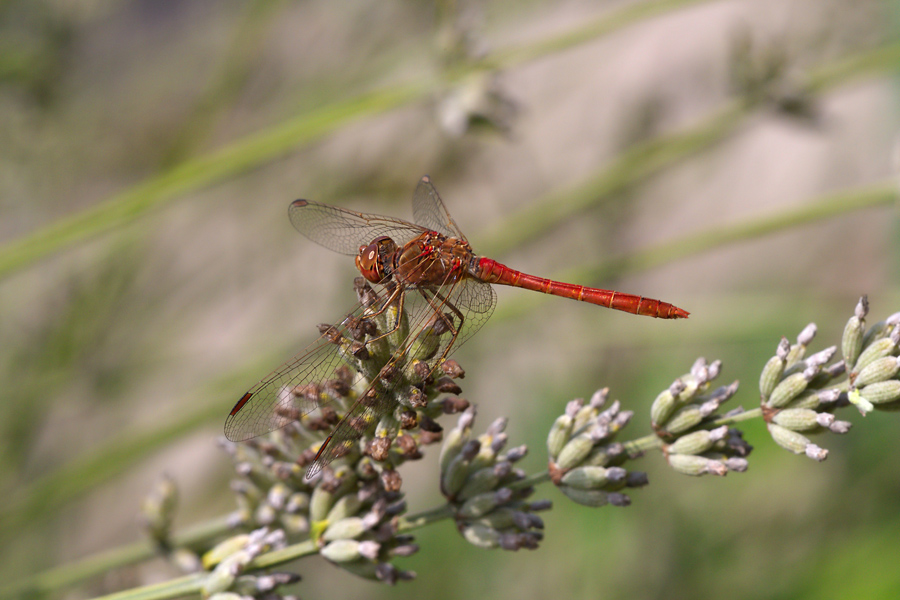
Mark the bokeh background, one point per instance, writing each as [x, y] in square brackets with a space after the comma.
[734, 157]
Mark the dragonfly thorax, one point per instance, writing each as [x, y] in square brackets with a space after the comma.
[372, 259]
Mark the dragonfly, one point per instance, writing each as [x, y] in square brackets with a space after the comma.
[435, 294]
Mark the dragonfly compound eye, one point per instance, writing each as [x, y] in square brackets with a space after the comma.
[369, 262]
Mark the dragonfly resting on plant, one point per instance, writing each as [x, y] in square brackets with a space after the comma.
[435, 294]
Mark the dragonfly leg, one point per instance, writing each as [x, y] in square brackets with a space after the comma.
[399, 296]
[449, 322]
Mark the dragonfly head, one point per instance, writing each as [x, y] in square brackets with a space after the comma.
[372, 259]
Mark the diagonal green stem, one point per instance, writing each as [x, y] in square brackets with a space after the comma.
[66, 575]
[883, 194]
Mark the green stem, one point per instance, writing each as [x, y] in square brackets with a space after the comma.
[643, 160]
[425, 518]
[883, 194]
[587, 32]
[66, 575]
[189, 585]
[531, 480]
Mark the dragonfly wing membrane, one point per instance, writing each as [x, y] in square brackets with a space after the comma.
[343, 230]
[308, 381]
[429, 210]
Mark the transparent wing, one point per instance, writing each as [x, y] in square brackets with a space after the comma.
[345, 230]
[434, 314]
[309, 380]
[429, 210]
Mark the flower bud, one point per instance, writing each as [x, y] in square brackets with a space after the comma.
[852, 340]
[482, 480]
[224, 549]
[882, 391]
[348, 528]
[481, 536]
[797, 419]
[789, 388]
[696, 465]
[455, 475]
[796, 442]
[480, 505]
[559, 434]
[877, 370]
[697, 442]
[575, 451]
[774, 368]
[592, 498]
[684, 418]
[589, 477]
[347, 506]
[225, 574]
[877, 349]
[662, 407]
[341, 551]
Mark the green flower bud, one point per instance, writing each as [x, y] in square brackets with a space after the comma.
[481, 536]
[320, 504]
[295, 524]
[877, 349]
[584, 414]
[880, 369]
[586, 477]
[603, 456]
[592, 498]
[795, 442]
[797, 419]
[500, 518]
[684, 418]
[774, 369]
[789, 388]
[560, 433]
[662, 407]
[348, 528]
[455, 476]
[882, 391]
[224, 575]
[695, 465]
[341, 551]
[852, 340]
[478, 506]
[808, 399]
[575, 451]
[454, 441]
[347, 506]
[697, 442]
[482, 480]
[224, 549]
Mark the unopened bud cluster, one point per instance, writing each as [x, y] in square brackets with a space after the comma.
[797, 394]
[872, 360]
[352, 513]
[682, 415]
[227, 561]
[478, 479]
[585, 459]
[351, 510]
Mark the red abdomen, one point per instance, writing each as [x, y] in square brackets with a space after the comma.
[490, 271]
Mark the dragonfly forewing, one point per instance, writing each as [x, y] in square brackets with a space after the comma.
[343, 230]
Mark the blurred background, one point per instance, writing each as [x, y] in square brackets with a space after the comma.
[733, 157]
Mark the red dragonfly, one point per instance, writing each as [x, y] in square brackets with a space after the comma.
[453, 298]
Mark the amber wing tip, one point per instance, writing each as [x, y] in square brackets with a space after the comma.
[299, 203]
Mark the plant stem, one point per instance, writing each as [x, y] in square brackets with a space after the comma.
[69, 574]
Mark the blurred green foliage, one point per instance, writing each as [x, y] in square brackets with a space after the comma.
[149, 274]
